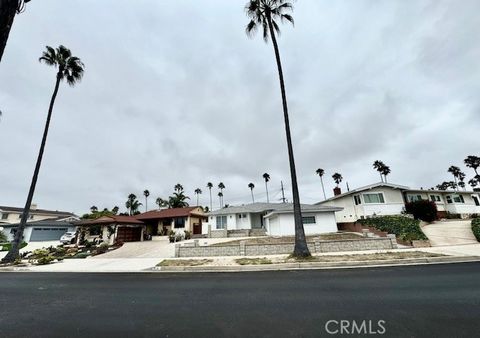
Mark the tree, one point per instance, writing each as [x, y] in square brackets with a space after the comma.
[93, 209]
[320, 172]
[385, 172]
[221, 186]
[461, 179]
[210, 186]
[198, 191]
[161, 202]
[8, 10]
[472, 162]
[132, 204]
[265, 14]
[251, 186]
[178, 187]
[115, 210]
[337, 178]
[379, 166]
[473, 182]
[178, 199]
[220, 197]
[443, 186]
[146, 193]
[455, 171]
[266, 177]
[70, 68]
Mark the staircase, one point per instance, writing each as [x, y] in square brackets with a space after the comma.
[258, 232]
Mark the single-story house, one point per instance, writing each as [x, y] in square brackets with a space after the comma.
[44, 230]
[112, 229]
[177, 219]
[382, 198]
[12, 215]
[275, 218]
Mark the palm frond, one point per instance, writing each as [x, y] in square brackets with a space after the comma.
[251, 29]
[287, 17]
[275, 27]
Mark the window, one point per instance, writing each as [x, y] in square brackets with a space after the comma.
[435, 198]
[308, 220]
[449, 199]
[179, 222]
[476, 200]
[357, 199]
[414, 198]
[221, 222]
[373, 198]
[458, 199]
[4, 216]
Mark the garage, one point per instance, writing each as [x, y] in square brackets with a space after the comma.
[129, 234]
[47, 234]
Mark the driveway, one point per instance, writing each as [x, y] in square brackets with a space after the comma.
[158, 247]
[452, 232]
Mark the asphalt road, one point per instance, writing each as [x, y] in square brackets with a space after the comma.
[421, 301]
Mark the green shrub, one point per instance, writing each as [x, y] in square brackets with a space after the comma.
[188, 235]
[7, 247]
[102, 248]
[3, 237]
[422, 209]
[476, 228]
[405, 228]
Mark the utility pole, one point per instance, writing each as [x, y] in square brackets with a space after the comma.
[283, 193]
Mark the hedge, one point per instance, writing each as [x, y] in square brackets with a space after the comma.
[405, 228]
[476, 228]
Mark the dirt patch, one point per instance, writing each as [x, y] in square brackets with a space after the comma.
[184, 262]
[291, 239]
[365, 257]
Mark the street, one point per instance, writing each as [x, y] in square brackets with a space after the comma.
[423, 301]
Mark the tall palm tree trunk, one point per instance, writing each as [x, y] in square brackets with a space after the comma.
[381, 177]
[197, 200]
[211, 206]
[266, 189]
[253, 199]
[385, 179]
[301, 248]
[323, 188]
[8, 9]
[13, 253]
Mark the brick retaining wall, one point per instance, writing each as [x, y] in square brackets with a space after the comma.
[317, 246]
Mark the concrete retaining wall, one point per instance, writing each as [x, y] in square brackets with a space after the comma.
[317, 246]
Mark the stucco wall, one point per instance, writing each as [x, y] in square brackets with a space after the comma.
[284, 224]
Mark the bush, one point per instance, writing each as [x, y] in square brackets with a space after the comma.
[41, 257]
[422, 209]
[476, 228]
[188, 234]
[3, 237]
[405, 228]
[6, 247]
[102, 248]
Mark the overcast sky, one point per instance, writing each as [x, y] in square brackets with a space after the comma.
[174, 92]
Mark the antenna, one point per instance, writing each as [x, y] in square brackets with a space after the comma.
[283, 192]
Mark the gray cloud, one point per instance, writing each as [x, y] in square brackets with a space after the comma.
[175, 92]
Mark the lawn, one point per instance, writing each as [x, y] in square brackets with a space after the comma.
[291, 239]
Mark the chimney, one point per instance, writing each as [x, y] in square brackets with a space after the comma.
[33, 206]
[337, 191]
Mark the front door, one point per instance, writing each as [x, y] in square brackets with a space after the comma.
[197, 228]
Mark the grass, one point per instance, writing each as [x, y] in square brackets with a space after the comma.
[365, 257]
[291, 239]
[253, 261]
[184, 262]
[7, 246]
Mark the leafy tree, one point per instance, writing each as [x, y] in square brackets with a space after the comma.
[266, 177]
[210, 186]
[472, 162]
[8, 10]
[320, 172]
[132, 204]
[146, 193]
[379, 166]
[337, 178]
[455, 171]
[198, 191]
[265, 15]
[69, 68]
[251, 186]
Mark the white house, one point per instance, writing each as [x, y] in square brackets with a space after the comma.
[275, 218]
[44, 230]
[381, 199]
[12, 215]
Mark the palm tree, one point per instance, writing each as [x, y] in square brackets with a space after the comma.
[71, 69]
[115, 210]
[161, 202]
[320, 172]
[379, 166]
[473, 182]
[455, 171]
[221, 186]
[178, 200]
[461, 180]
[220, 198]
[132, 204]
[266, 177]
[198, 191]
[210, 186]
[385, 171]
[146, 193]
[93, 209]
[178, 187]
[337, 178]
[472, 162]
[8, 10]
[251, 186]
[265, 14]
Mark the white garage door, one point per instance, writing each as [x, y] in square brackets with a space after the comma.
[47, 234]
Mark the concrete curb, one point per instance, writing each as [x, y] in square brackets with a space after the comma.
[319, 265]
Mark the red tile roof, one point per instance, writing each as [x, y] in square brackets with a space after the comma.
[113, 220]
[168, 213]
